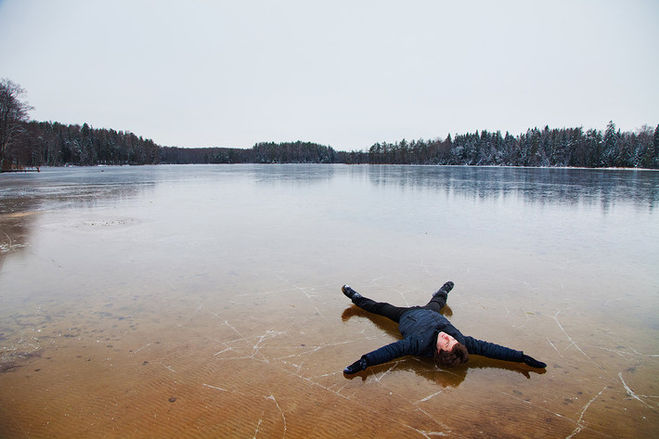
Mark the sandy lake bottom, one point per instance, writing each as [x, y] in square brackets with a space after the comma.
[204, 301]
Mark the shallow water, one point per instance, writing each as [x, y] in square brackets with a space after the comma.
[204, 301]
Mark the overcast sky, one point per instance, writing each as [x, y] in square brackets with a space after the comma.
[340, 73]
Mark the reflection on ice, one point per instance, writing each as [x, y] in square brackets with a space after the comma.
[549, 185]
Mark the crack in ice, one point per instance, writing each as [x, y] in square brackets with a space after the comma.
[572, 342]
[258, 426]
[555, 348]
[170, 368]
[631, 393]
[215, 387]
[580, 426]
[283, 417]
[386, 372]
[429, 397]
[226, 322]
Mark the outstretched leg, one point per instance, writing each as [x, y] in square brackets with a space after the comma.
[381, 308]
[438, 300]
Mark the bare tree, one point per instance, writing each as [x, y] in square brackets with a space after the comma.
[13, 111]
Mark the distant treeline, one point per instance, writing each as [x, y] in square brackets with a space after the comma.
[290, 152]
[55, 144]
[547, 147]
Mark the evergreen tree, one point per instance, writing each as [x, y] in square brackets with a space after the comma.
[653, 159]
[610, 147]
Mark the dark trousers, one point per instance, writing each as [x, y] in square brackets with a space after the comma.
[394, 312]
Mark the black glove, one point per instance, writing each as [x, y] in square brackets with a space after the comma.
[533, 362]
[357, 366]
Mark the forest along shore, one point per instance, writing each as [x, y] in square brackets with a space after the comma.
[56, 144]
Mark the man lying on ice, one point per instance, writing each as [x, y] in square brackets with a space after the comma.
[427, 333]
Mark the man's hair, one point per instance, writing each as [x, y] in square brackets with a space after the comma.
[455, 357]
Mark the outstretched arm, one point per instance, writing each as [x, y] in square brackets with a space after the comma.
[386, 353]
[492, 350]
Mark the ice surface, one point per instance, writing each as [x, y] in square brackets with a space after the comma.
[205, 300]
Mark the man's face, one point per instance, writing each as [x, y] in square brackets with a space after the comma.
[445, 342]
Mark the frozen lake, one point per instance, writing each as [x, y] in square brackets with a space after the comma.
[204, 301]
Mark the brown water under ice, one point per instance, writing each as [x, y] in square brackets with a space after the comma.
[182, 305]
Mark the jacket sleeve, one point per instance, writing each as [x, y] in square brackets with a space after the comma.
[406, 346]
[492, 350]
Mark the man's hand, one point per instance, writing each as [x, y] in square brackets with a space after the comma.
[357, 366]
[533, 362]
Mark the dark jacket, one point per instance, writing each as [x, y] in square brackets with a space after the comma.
[420, 327]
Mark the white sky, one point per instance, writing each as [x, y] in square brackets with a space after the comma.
[341, 73]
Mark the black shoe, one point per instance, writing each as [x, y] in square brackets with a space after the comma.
[350, 293]
[446, 288]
